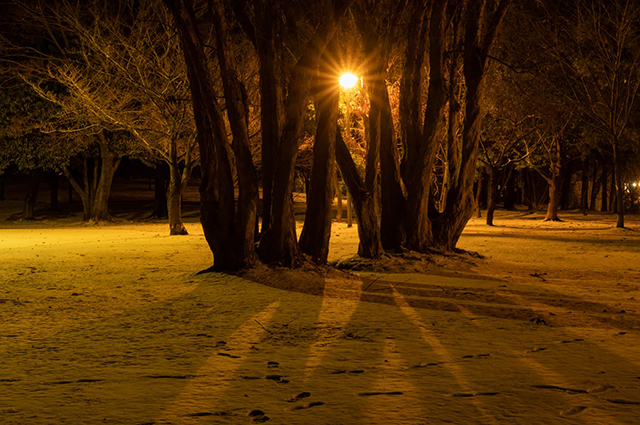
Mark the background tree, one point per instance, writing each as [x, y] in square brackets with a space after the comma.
[122, 69]
[598, 46]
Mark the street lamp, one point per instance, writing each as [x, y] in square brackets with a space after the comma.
[348, 81]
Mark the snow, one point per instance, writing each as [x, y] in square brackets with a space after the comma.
[111, 324]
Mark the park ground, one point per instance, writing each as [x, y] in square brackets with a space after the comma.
[110, 324]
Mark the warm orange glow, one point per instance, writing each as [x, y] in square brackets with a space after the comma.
[348, 80]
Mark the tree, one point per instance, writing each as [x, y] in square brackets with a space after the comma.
[228, 229]
[122, 69]
[598, 46]
[23, 144]
[314, 239]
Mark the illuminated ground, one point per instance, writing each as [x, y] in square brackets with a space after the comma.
[110, 324]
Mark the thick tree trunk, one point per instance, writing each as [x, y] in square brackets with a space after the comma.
[232, 248]
[382, 133]
[279, 244]
[268, 47]
[32, 195]
[448, 226]
[421, 143]
[314, 239]
[368, 228]
[238, 114]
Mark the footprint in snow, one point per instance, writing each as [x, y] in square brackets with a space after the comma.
[573, 411]
[300, 396]
[258, 416]
[309, 405]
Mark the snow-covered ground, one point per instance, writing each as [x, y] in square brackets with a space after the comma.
[110, 324]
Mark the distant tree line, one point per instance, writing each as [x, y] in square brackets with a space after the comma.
[461, 103]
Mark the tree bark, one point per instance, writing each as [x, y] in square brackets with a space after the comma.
[368, 229]
[421, 143]
[314, 239]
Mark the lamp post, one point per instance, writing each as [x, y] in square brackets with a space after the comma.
[348, 81]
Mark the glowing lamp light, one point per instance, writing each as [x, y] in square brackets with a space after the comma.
[348, 80]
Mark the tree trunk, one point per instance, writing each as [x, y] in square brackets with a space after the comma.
[279, 244]
[174, 201]
[238, 114]
[83, 192]
[32, 195]
[554, 196]
[448, 225]
[509, 188]
[368, 229]
[619, 186]
[478, 196]
[2, 184]
[604, 207]
[232, 248]
[595, 187]
[338, 190]
[109, 162]
[382, 133]
[584, 186]
[492, 194]
[314, 239]
[421, 143]
[613, 205]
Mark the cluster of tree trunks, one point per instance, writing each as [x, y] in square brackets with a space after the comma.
[408, 218]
